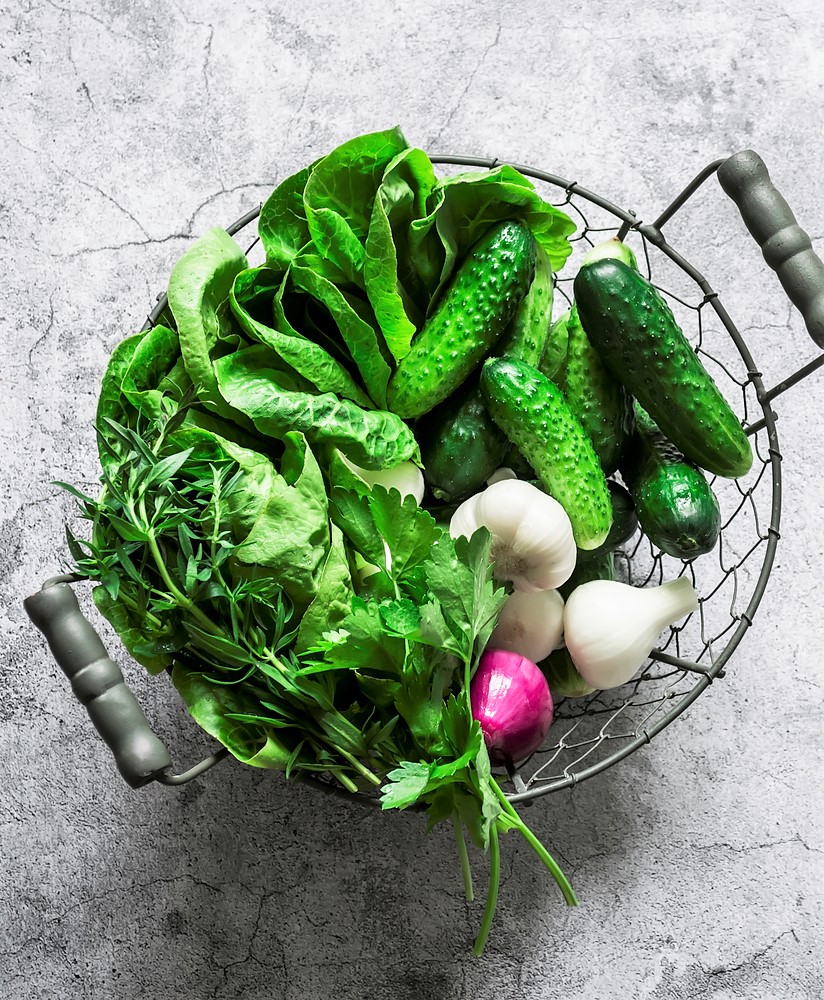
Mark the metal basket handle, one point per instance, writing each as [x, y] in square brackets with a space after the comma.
[98, 684]
[786, 246]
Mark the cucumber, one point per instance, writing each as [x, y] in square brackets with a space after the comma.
[563, 677]
[632, 327]
[624, 523]
[533, 414]
[595, 396]
[475, 310]
[527, 334]
[556, 347]
[461, 445]
[675, 504]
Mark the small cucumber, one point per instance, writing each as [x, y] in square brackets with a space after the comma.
[632, 327]
[475, 310]
[563, 677]
[676, 506]
[533, 414]
[555, 348]
[595, 396]
[461, 445]
[527, 334]
[624, 523]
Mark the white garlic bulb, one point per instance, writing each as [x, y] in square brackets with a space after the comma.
[530, 623]
[405, 477]
[532, 543]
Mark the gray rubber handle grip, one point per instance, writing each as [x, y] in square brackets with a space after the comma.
[98, 684]
[785, 245]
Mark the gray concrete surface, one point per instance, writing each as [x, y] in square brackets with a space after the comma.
[129, 126]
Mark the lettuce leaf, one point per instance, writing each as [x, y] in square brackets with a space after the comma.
[464, 205]
[338, 196]
[394, 284]
[254, 294]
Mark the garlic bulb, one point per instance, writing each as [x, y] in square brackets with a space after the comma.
[532, 543]
[405, 477]
[610, 628]
[501, 474]
[530, 623]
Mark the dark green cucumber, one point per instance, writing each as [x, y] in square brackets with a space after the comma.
[624, 523]
[527, 334]
[474, 312]
[632, 327]
[596, 397]
[675, 504]
[461, 445]
[563, 677]
[533, 414]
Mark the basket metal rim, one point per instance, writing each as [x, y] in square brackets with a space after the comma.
[629, 220]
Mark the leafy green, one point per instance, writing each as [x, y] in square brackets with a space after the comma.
[282, 224]
[253, 292]
[351, 316]
[373, 439]
[393, 283]
[465, 204]
[199, 286]
[290, 533]
[339, 193]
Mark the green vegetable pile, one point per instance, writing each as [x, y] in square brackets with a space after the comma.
[314, 619]
[228, 534]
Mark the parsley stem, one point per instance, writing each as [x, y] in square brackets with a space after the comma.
[536, 845]
[463, 855]
[344, 779]
[492, 894]
[358, 765]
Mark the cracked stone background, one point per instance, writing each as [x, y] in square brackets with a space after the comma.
[128, 128]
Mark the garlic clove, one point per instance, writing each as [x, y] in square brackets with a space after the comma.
[530, 624]
[610, 628]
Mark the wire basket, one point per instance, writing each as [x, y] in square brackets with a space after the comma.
[593, 733]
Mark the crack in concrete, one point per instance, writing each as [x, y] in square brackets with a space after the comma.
[724, 970]
[470, 80]
[98, 20]
[46, 332]
[749, 848]
[210, 133]
[83, 88]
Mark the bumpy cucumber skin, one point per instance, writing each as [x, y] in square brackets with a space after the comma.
[475, 310]
[632, 327]
[461, 446]
[527, 334]
[675, 504]
[555, 349]
[534, 415]
[596, 397]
